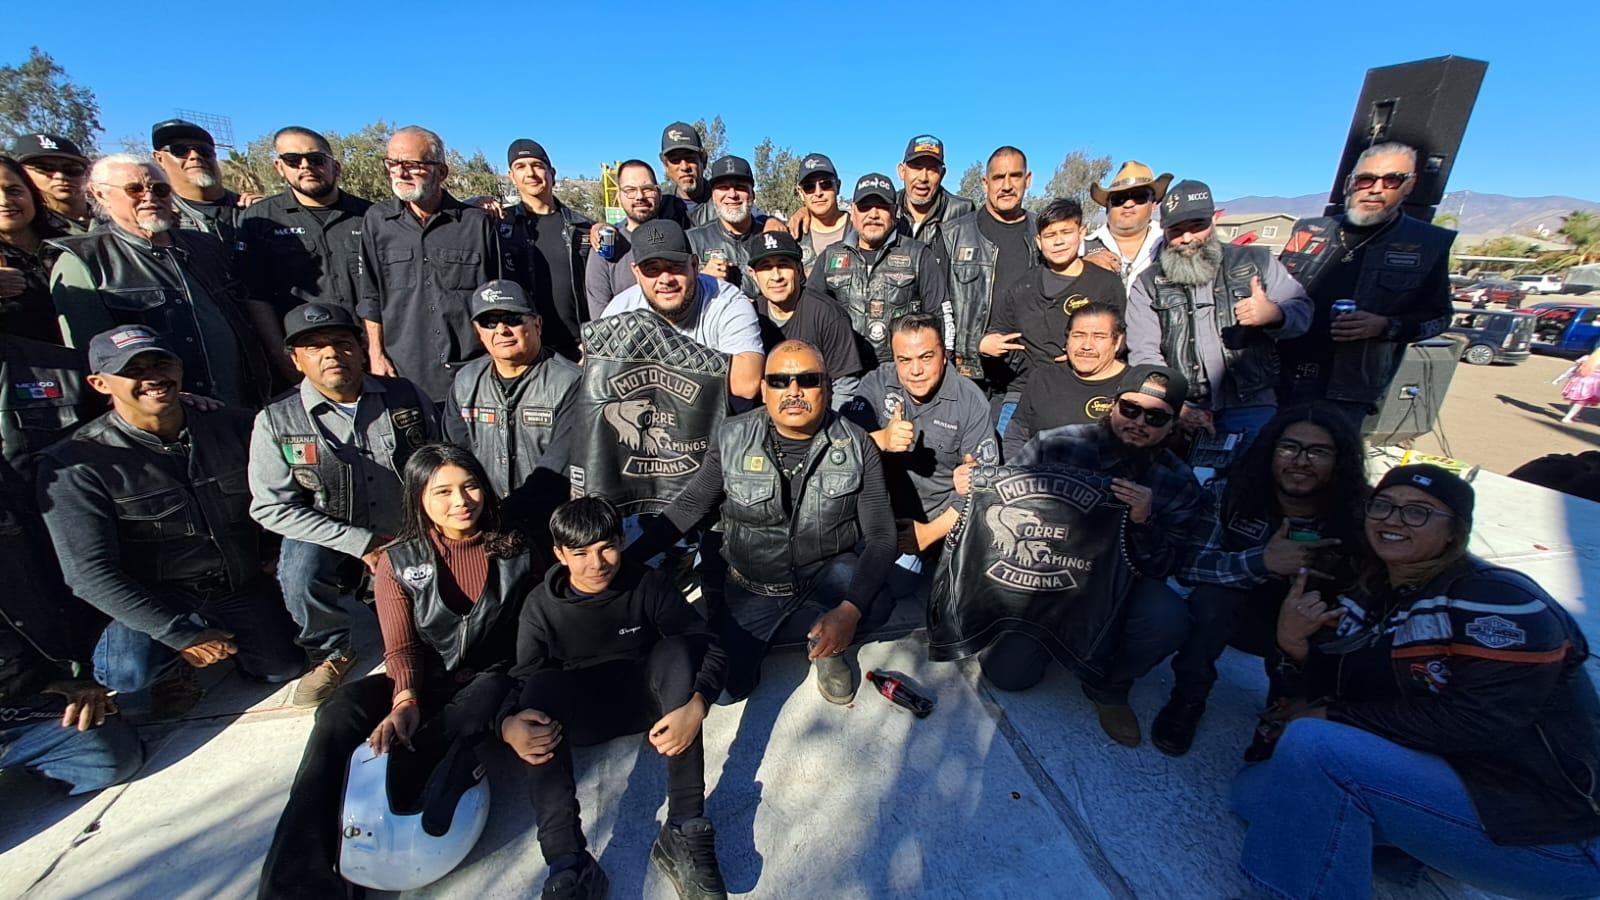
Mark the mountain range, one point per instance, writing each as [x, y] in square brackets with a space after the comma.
[1479, 214]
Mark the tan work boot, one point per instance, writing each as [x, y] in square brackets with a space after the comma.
[1119, 722]
[318, 684]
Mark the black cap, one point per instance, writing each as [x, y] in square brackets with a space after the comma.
[1173, 395]
[34, 146]
[924, 145]
[500, 295]
[164, 133]
[680, 136]
[1185, 201]
[816, 164]
[660, 239]
[522, 148]
[1441, 484]
[111, 351]
[874, 185]
[774, 243]
[730, 167]
[309, 317]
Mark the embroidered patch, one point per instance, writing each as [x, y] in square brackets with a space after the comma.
[1402, 260]
[836, 457]
[755, 463]
[307, 478]
[538, 417]
[484, 416]
[405, 418]
[300, 453]
[37, 390]
[417, 575]
[1496, 633]
[965, 254]
[838, 262]
[1254, 529]
[898, 259]
[1433, 675]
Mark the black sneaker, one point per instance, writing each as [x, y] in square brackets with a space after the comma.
[688, 857]
[585, 881]
[835, 679]
[1173, 730]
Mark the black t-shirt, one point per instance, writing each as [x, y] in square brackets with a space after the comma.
[1038, 306]
[1015, 246]
[816, 320]
[549, 270]
[1054, 396]
[1338, 282]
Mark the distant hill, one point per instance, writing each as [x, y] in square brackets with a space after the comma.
[1480, 213]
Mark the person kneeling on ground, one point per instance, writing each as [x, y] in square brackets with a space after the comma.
[447, 591]
[1169, 515]
[1444, 713]
[808, 534]
[603, 650]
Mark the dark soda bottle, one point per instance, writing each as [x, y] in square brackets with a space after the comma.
[900, 694]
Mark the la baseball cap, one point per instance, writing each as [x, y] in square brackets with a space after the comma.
[309, 317]
[1187, 200]
[924, 145]
[775, 244]
[1439, 483]
[500, 295]
[874, 185]
[1137, 381]
[660, 239]
[164, 133]
[111, 351]
[730, 167]
[680, 136]
[37, 146]
[523, 148]
[816, 164]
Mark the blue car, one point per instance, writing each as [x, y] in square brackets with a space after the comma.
[1564, 328]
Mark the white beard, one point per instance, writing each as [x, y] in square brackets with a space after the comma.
[201, 179]
[153, 224]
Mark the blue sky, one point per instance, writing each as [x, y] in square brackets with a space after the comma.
[1254, 98]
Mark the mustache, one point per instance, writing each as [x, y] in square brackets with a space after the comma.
[150, 387]
[799, 403]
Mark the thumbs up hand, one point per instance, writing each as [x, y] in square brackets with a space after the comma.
[1257, 310]
[898, 435]
[963, 475]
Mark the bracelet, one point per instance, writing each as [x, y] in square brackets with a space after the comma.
[402, 703]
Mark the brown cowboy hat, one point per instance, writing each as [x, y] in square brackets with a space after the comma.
[1133, 174]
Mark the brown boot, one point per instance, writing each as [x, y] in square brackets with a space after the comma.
[1119, 722]
[319, 684]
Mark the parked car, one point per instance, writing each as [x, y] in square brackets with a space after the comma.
[1460, 281]
[1565, 329]
[1482, 293]
[1491, 336]
[1539, 284]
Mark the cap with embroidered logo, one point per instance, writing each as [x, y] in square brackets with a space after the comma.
[874, 185]
[681, 136]
[1137, 381]
[660, 239]
[816, 164]
[730, 167]
[39, 146]
[111, 351]
[1439, 483]
[500, 295]
[924, 145]
[771, 244]
[1186, 201]
[523, 148]
[309, 317]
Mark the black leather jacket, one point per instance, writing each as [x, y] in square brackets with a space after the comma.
[508, 433]
[485, 639]
[972, 259]
[1250, 354]
[946, 208]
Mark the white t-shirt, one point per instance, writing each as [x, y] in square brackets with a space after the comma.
[724, 319]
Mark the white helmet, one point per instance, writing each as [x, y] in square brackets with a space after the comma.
[391, 846]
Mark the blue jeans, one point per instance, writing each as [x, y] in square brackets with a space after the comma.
[84, 760]
[1331, 793]
[1246, 420]
[313, 578]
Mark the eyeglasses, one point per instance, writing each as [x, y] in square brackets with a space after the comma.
[1416, 515]
[136, 189]
[1140, 196]
[806, 380]
[1155, 418]
[69, 169]
[495, 320]
[410, 164]
[634, 193]
[1316, 453]
[1391, 180]
[182, 151]
[818, 184]
[316, 159]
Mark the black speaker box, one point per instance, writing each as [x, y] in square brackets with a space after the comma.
[1425, 104]
[1410, 407]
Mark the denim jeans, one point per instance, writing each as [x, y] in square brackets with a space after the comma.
[1246, 420]
[313, 578]
[84, 760]
[1247, 618]
[1332, 793]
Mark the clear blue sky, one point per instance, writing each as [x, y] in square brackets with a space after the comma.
[598, 81]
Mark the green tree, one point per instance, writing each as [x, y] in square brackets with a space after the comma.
[777, 174]
[1072, 179]
[713, 137]
[1504, 246]
[38, 97]
[583, 195]
[360, 154]
[473, 176]
[972, 182]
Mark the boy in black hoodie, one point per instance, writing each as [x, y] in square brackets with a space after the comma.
[603, 650]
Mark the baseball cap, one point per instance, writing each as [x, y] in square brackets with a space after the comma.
[660, 239]
[775, 243]
[874, 185]
[1441, 484]
[500, 295]
[816, 164]
[523, 148]
[680, 136]
[309, 317]
[111, 351]
[1173, 394]
[730, 167]
[164, 133]
[34, 146]
[924, 145]
[1187, 200]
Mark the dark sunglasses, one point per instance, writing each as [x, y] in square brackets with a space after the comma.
[806, 380]
[293, 160]
[1140, 196]
[1416, 515]
[69, 169]
[818, 184]
[136, 189]
[1391, 180]
[1133, 412]
[495, 320]
[182, 151]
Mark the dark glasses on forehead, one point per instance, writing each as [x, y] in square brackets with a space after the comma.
[1133, 412]
[806, 380]
[293, 160]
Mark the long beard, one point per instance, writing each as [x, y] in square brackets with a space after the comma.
[1192, 267]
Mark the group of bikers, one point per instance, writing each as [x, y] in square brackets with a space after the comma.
[226, 415]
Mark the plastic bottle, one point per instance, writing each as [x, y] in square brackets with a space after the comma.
[900, 694]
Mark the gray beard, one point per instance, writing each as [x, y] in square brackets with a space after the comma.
[411, 195]
[1367, 220]
[201, 179]
[738, 216]
[1199, 268]
[154, 224]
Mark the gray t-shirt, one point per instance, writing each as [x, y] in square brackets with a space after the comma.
[724, 319]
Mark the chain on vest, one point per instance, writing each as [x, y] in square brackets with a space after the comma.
[1249, 354]
[486, 635]
[875, 294]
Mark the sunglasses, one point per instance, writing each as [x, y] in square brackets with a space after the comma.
[818, 184]
[1416, 515]
[495, 320]
[182, 151]
[1140, 196]
[293, 160]
[1391, 180]
[1133, 412]
[69, 169]
[136, 189]
[806, 380]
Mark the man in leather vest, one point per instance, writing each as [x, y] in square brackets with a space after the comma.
[139, 269]
[819, 223]
[545, 247]
[1127, 243]
[325, 464]
[188, 154]
[881, 275]
[147, 507]
[1215, 313]
[503, 405]
[923, 208]
[987, 250]
[723, 245]
[1395, 268]
[808, 532]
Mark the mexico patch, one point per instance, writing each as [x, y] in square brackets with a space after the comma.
[300, 453]
[36, 390]
[838, 262]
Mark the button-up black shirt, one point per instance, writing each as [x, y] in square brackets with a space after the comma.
[289, 255]
[417, 281]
